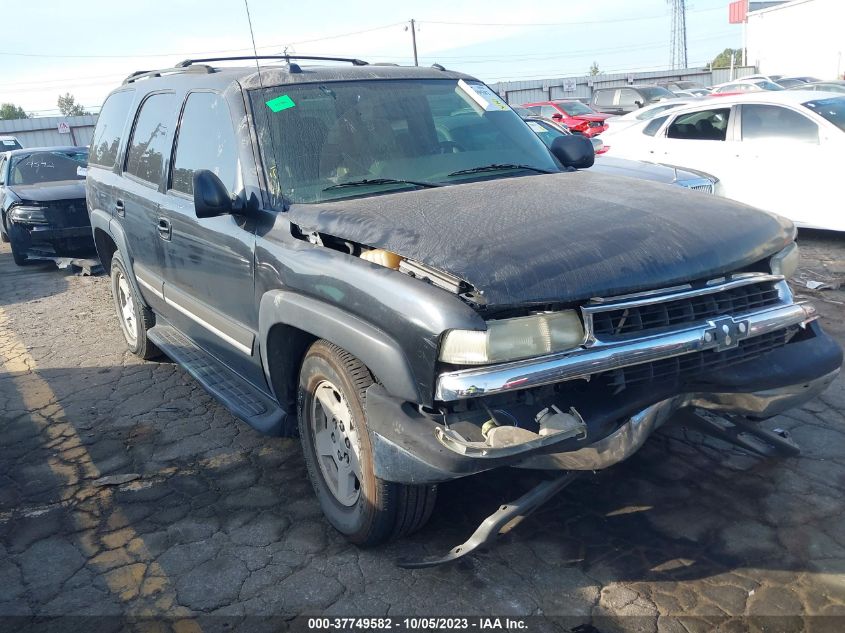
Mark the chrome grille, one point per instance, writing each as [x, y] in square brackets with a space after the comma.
[691, 308]
[704, 185]
[688, 366]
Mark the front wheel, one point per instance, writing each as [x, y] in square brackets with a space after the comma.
[18, 250]
[339, 457]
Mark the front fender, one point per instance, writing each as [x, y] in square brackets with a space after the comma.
[378, 351]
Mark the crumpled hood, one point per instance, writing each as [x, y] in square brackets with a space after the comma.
[559, 237]
[49, 191]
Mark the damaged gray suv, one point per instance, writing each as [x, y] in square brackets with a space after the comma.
[390, 263]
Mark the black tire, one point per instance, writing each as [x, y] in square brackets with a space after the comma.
[144, 319]
[383, 510]
[4, 237]
[17, 253]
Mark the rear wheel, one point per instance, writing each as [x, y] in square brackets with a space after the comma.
[135, 318]
[338, 454]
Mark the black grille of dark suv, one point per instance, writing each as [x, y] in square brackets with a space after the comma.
[685, 311]
[688, 366]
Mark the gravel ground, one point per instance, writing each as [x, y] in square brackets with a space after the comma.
[126, 491]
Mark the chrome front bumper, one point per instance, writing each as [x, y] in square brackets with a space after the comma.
[717, 334]
[628, 439]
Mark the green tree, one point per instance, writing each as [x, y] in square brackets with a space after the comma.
[723, 59]
[69, 107]
[594, 69]
[11, 111]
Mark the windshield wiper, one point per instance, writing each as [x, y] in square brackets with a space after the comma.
[498, 167]
[382, 181]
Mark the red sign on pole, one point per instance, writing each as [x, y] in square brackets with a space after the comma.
[738, 11]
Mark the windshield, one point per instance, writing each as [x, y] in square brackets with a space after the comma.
[314, 137]
[48, 166]
[575, 108]
[832, 109]
[655, 93]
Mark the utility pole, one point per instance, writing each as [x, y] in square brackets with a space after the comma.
[414, 40]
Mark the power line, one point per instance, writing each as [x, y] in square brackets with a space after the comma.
[196, 54]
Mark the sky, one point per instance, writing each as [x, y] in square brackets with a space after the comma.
[52, 47]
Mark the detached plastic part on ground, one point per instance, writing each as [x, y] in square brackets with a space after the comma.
[733, 429]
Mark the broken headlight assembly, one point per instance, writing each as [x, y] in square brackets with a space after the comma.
[25, 214]
[786, 261]
[513, 339]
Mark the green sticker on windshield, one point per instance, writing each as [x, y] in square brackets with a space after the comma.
[280, 103]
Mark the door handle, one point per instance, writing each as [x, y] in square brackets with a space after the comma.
[165, 230]
[119, 208]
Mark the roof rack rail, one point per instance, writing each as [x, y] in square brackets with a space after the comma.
[147, 74]
[189, 62]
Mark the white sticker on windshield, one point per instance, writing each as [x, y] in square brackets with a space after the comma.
[8, 142]
[483, 96]
[81, 171]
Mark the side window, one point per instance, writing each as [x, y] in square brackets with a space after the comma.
[654, 125]
[150, 144]
[534, 109]
[604, 97]
[704, 125]
[110, 123]
[206, 141]
[548, 111]
[628, 96]
[3, 171]
[774, 122]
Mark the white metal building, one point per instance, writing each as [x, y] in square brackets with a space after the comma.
[800, 37]
[50, 131]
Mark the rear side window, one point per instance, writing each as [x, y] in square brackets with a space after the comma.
[150, 143]
[106, 139]
[206, 141]
[704, 125]
[654, 125]
[604, 97]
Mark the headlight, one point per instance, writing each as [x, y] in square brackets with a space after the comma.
[786, 262]
[512, 339]
[27, 215]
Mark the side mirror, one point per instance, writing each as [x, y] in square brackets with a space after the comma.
[574, 151]
[638, 103]
[557, 117]
[211, 198]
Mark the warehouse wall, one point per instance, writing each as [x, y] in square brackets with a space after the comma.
[44, 131]
[799, 37]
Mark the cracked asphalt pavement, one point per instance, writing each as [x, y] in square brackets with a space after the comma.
[126, 490]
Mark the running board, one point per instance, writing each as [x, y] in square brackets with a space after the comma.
[241, 398]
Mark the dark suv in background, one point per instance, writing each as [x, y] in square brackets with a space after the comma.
[390, 262]
[626, 99]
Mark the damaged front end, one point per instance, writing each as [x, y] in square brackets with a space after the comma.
[737, 345]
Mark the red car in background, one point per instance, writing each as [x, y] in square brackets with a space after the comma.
[578, 117]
